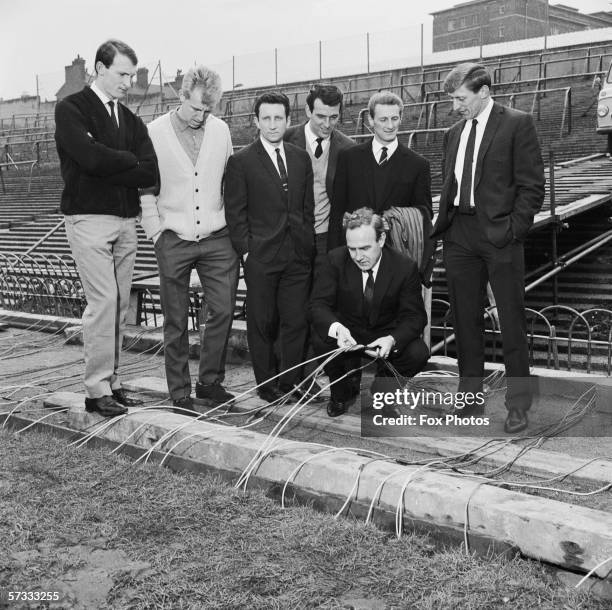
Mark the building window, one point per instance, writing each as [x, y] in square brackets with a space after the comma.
[462, 22]
[502, 9]
[451, 25]
[501, 31]
[475, 19]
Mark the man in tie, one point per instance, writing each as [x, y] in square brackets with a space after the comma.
[270, 215]
[323, 143]
[369, 295]
[493, 186]
[105, 156]
[186, 221]
[380, 173]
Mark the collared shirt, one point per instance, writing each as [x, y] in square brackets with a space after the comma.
[364, 274]
[482, 119]
[333, 327]
[271, 150]
[377, 148]
[311, 139]
[105, 100]
[190, 139]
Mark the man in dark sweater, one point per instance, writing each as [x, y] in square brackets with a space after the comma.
[105, 155]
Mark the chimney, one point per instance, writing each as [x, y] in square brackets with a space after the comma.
[142, 78]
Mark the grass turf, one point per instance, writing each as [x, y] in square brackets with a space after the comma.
[105, 533]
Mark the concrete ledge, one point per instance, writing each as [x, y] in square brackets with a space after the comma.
[566, 535]
[535, 462]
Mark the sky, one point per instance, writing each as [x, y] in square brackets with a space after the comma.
[40, 37]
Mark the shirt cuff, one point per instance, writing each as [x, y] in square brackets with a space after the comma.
[333, 330]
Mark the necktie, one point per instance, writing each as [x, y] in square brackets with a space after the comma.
[466, 175]
[383, 155]
[282, 170]
[368, 294]
[113, 115]
[319, 149]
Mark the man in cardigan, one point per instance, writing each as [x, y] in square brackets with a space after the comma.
[323, 143]
[270, 215]
[186, 222]
[105, 155]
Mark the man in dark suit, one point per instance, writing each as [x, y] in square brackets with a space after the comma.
[105, 155]
[380, 173]
[493, 186]
[323, 142]
[369, 295]
[270, 216]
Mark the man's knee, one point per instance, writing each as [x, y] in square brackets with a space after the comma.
[413, 357]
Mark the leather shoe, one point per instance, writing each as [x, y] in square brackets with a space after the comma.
[301, 393]
[105, 406]
[185, 406]
[336, 408]
[122, 398]
[516, 421]
[214, 392]
[270, 394]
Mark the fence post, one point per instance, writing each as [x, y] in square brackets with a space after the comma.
[320, 60]
[368, 50]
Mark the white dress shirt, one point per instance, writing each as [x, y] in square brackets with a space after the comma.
[105, 100]
[271, 150]
[311, 139]
[482, 119]
[333, 328]
[377, 148]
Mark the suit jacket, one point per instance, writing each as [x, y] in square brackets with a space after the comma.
[337, 142]
[508, 179]
[102, 168]
[397, 306]
[408, 184]
[255, 209]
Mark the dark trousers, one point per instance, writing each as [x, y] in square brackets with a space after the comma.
[408, 361]
[471, 260]
[277, 300]
[217, 266]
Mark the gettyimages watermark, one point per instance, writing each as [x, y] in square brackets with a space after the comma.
[440, 406]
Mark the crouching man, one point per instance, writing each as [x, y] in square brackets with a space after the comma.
[367, 295]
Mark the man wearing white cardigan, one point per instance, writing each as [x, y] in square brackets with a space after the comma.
[186, 221]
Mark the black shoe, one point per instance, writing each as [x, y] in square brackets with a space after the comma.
[302, 393]
[270, 394]
[185, 406]
[106, 406]
[122, 398]
[213, 391]
[336, 408]
[516, 421]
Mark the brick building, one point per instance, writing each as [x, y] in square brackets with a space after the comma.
[491, 21]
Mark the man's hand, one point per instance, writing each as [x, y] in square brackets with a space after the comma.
[344, 337]
[381, 347]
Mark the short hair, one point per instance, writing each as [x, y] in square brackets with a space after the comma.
[365, 217]
[474, 76]
[386, 98]
[272, 97]
[108, 50]
[201, 77]
[330, 95]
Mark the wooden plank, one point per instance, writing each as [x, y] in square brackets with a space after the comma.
[566, 535]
